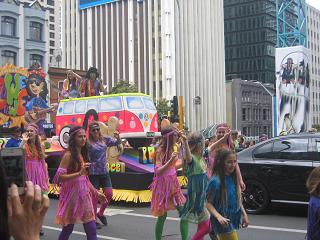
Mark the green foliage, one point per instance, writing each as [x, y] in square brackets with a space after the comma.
[163, 107]
[123, 86]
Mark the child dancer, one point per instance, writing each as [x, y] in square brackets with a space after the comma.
[224, 197]
[194, 209]
[166, 191]
[313, 186]
[98, 172]
[36, 168]
[76, 192]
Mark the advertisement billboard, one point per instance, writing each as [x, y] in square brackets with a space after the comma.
[293, 89]
[91, 3]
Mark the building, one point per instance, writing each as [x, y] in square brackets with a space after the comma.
[54, 21]
[249, 107]
[24, 33]
[313, 26]
[250, 39]
[165, 47]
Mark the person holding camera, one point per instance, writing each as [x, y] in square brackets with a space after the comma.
[16, 215]
[75, 197]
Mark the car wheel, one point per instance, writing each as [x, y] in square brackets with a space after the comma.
[255, 197]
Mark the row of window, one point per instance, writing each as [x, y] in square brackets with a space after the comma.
[8, 28]
[256, 130]
[250, 23]
[246, 51]
[249, 65]
[10, 57]
[249, 114]
[253, 36]
[256, 97]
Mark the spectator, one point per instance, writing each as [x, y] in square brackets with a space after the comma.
[15, 139]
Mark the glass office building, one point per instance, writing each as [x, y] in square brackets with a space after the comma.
[250, 39]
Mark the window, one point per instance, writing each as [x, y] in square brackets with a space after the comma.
[8, 26]
[51, 27]
[68, 108]
[35, 59]
[51, 19]
[148, 103]
[92, 104]
[292, 149]
[8, 57]
[243, 114]
[80, 107]
[134, 103]
[36, 31]
[50, 2]
[110, 104]
[51, 35]
[51, 43]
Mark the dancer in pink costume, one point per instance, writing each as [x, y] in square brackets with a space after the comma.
[166, 191]
[36, 167]
[76, 192]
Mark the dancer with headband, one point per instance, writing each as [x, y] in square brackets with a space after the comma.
[166, 191]
[75, 200]
[195, 167]
[36, 168]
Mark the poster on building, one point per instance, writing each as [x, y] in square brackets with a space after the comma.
[293, 90]
[91, 3]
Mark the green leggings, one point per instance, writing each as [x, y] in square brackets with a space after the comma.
[184, 227]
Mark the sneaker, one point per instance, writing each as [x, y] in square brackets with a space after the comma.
[98, 225]
[41, 233]
[103, 219]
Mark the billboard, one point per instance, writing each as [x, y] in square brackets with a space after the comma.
[293, 89]
[91, 3]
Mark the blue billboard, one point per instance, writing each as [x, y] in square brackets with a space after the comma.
[91, 3]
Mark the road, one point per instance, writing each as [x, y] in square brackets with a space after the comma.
[129, 222]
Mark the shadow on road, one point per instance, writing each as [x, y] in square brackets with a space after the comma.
[290, 210]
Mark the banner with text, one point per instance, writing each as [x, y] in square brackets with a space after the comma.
[91, 3]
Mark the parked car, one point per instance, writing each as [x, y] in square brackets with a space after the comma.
[276, 170]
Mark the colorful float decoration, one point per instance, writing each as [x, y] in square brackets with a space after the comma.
[23, 96]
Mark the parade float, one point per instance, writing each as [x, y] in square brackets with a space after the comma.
[23, 99]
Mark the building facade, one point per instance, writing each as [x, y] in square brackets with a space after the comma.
[250, 39]
[24, 33]
[54, 26]
[165, 47]
[313, 26]
[249, 107]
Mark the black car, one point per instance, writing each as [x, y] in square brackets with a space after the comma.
[276, 170]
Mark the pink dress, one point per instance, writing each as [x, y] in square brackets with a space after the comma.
[75, 199]
[166, 191]
[36, 169]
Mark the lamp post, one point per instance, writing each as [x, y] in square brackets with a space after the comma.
[274, 109]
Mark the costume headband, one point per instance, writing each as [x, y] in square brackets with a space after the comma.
[75, 132]
[33, 127]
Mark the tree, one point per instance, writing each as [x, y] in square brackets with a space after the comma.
[123, 86]
[163, 107]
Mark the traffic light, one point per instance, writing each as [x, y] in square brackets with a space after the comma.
[174, 109]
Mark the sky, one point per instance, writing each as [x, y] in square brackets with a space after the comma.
[314, 3]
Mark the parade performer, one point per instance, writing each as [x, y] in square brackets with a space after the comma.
[224, 197]
[223, 141]
[166, 191]
[92, 86]
[36, 169]
[313, 186]
[98, 172]
[71, 85]
[195, 168]
[76, 192]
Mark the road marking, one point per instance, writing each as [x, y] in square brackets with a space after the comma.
[83, 234]
[250, 226]
[115, 211]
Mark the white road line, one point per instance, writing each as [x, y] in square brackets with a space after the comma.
[250, 226]
[83, 234]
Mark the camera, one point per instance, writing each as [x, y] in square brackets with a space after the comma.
[13, 160]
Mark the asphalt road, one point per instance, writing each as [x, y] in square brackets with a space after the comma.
[130, 222]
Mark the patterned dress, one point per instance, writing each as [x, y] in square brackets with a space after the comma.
[194, 209]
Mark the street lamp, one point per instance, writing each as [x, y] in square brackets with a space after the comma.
[274, 108]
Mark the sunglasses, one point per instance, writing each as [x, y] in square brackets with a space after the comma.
[95, 130]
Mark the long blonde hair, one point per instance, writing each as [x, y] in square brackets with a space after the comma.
[313, 182]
